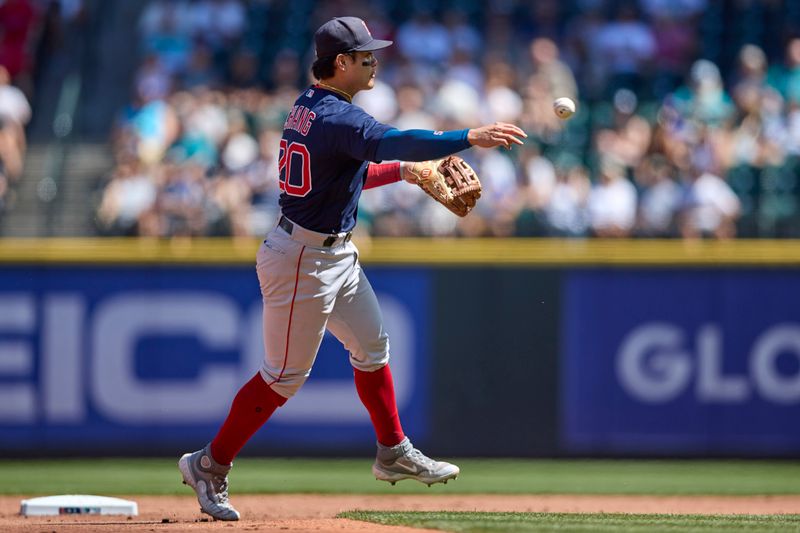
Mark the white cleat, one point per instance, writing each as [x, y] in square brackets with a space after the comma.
[403, 461]
[209, 480]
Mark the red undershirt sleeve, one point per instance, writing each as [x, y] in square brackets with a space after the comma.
[382, 174]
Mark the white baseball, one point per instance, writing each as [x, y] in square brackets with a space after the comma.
[564, 107]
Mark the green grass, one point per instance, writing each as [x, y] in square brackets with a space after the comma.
[567, 522]
[160, 476]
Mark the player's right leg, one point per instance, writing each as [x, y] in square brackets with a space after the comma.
[357, 322]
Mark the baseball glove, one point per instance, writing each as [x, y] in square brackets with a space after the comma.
[453, 184]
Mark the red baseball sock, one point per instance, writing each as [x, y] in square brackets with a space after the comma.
[376, 390]
[253, 405]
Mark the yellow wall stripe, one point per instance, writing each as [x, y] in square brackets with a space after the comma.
[477, 252]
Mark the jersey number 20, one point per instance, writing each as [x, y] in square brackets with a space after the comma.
[294, 168]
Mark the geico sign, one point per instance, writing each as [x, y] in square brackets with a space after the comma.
[56, 360]
[654, 365]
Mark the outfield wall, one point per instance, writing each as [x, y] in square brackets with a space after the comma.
[520, 347]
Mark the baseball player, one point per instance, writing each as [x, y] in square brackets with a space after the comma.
[308, 267]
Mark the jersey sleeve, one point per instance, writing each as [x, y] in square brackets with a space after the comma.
[356, 133]
[421, 145]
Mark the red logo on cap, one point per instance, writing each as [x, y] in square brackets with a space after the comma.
[365, 27]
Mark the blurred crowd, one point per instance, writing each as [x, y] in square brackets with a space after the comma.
[684, 127]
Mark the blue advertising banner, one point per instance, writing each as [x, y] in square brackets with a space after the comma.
[123, 359]
[692, 361]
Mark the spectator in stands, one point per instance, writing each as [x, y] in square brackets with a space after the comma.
[676, 44]
[220, 23]
[154, 128]
[566, 211]
[709, 208]
[18, 20]
[547, 65]
[580, 54]
[500, 202]
[380, 101]
[130, 193]
[15, 113]
[228, 208]
[166, 32]
[499, 31]
[785, 78]
[243, 69]
[262, 180]
[464, 37]
[704, 98]
[612, 202]
[542, 19]
[503, 102]
[423, 39]
[200, 71]
[625, 47]
[751, 69]
[153, 81]
[285, 71]
[629, 137]
[411, 112]
[456, 104]
[182, 201]
[463, 68]
[538, 174]
[660, 198]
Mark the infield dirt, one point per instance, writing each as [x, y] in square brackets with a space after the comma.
[316, 513]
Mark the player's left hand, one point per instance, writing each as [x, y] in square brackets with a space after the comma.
[415, 171]
[450, 181]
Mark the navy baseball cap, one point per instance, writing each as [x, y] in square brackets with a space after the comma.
[345, 34]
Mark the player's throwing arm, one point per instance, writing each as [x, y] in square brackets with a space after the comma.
[450, 181]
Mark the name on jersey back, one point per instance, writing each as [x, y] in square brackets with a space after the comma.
[300, 120]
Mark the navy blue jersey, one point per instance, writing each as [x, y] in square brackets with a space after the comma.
[324, 153]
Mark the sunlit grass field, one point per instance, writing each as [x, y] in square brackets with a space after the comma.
[569, 522]
[259, 476]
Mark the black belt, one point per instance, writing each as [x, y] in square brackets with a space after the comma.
[286, 225]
